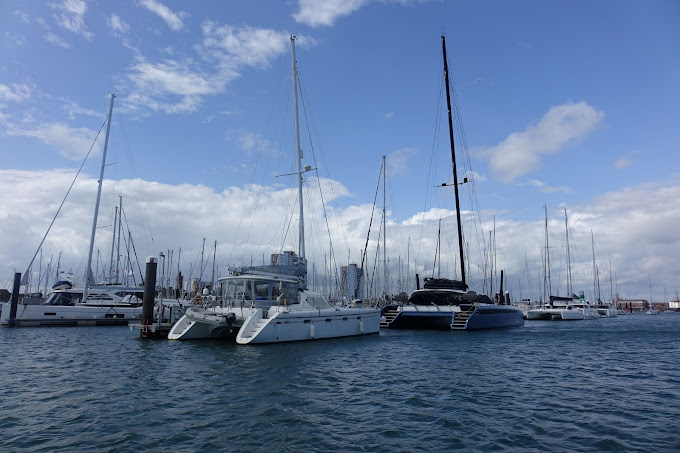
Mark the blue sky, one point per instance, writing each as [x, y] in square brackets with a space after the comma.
[566, 104]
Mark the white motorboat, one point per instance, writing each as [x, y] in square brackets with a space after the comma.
[607, 311]
[271, 303]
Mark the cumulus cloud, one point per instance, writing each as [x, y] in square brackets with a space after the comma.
[175, 20]
[316, 13]
[256, 220]
[244, 46]
[180, 85]
[70, 15]
[521, 152]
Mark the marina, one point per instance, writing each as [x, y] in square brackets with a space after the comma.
[196, 256]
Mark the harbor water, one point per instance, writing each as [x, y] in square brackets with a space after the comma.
[600, 385]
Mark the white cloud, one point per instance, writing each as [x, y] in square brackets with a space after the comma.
[70, 15]
[251, 142]
[118, 25]
[74, 109]
[18, 39]
[316, 13]
[173, 19]
[73, 143]
[55, 39]
[474, 176]
[521, 152]
[618, 219]
[397, 161]
[15, 92]
[244, 46]
[170, 86]
[389, 115]
[180, 85]
[623, 162]
[545, 188]
[22, 16]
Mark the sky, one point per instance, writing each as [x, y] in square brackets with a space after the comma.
[562, 106]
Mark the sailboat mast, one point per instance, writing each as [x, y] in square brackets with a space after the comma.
[453, 159]
[384, 233]
[592, 242]
[566, 229]
[88, 269]
[120, 224]
[301, 242]
[547, 258]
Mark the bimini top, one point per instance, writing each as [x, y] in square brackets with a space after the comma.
[444, 283]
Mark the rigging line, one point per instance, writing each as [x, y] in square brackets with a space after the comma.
[433, 158]
[310, 120]
[132, 243]
[463, 146]
[375, 198]
[248, 193]
[267, 155]
[144, 215]
[287, 230]
[62, 203]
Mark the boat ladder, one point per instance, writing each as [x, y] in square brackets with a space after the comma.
[389, 316]
[460, 319]
[253, 328]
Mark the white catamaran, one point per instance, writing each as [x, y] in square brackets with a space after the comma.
[271, 303]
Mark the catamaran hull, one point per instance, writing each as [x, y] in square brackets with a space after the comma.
[423, 320]
[444, 317]
[312, 325]
[495, 317]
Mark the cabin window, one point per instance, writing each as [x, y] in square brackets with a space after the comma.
[317, 301]
[238, 289]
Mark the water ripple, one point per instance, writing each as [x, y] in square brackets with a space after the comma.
[603, 385]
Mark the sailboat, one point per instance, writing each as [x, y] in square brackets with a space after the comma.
[90, 305]
[448, 304]
[271, 303]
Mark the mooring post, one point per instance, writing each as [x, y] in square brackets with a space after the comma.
[149, 291]
[15, 298]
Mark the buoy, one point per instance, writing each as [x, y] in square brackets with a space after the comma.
[311, 330]
[361, 326]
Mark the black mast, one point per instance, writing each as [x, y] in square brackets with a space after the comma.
[453, 159]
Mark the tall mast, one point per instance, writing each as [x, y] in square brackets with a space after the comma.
[566, 229]
[113, 245]
[120, 223]
[301, 242]
[88, 269]
[453, 159]
[547, 256]
[384, 233]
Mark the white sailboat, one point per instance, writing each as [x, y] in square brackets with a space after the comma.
[90, 305]
[271, 304]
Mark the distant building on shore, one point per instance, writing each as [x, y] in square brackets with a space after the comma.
[641, 304]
